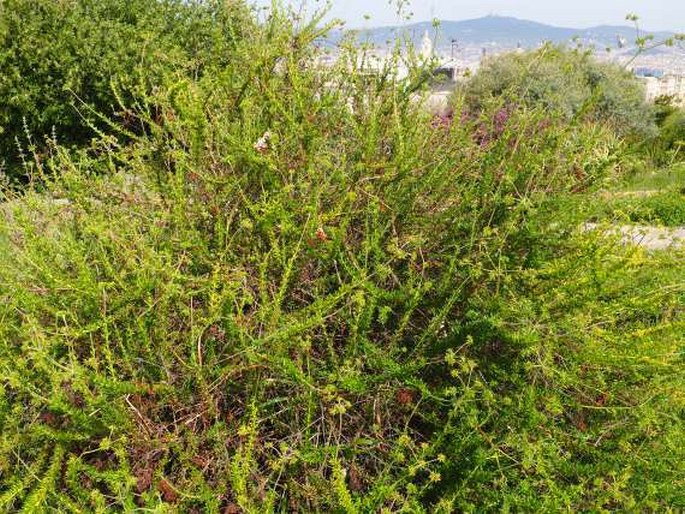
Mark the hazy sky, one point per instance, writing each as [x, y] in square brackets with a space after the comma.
[654, 14]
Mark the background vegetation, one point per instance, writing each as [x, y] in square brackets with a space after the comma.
[668, 147]
[281, 287]
[569, 82]
[64, 63]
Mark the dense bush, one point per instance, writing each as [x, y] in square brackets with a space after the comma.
[665, 208]
[63, 62]
[570, 82]
[671, 139]
[296, 292]
[668, 145]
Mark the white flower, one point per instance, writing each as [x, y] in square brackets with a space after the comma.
[262, 144]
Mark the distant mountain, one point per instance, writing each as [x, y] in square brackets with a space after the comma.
[505, 32]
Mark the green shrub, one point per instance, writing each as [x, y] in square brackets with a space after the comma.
[63, 62]
[671, 139]
[666, 147]
[295, 293]
[667, 208]
[569, 82]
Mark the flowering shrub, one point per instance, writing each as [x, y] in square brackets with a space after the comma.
[266, 301]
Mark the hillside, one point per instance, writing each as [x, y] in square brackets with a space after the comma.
[505, 31]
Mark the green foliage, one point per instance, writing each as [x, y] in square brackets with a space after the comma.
[670, 179]
[671, 140]
[667, 208]
[570, 83]
[63, 61]
[293, 291]
[655, 198]
[666, 147]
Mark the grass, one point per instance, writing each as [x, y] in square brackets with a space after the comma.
[662, 209]
[668, 179]
[648, 198]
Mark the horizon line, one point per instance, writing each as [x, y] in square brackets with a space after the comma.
[494, 15]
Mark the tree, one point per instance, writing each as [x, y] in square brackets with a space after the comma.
[569, 83]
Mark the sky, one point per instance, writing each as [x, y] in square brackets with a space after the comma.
[654, 14]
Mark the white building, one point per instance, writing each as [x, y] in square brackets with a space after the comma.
[668, 85]
[427, 51]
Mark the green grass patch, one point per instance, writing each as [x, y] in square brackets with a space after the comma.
[667, 179]
[661, 209]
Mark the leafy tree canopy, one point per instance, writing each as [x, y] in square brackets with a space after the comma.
[571, 83]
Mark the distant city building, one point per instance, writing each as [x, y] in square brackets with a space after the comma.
[426, 47]
[648, 72]
[449, 72]
[667, 85]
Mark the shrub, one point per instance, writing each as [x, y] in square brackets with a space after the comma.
[63, 62]
[293, 292]
[666, 147]
[666, 208]
[671, 140]
[569, 82]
